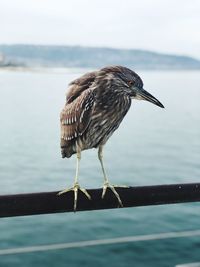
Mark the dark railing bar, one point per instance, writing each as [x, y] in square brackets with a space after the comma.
[50, 202]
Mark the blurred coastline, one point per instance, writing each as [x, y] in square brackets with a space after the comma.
[35, 56]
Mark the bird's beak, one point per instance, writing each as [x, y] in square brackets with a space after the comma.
[144, 95]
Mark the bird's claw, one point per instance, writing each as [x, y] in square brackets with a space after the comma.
[112, 188]
[75, 188]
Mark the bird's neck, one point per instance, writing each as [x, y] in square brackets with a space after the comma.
[111, 99]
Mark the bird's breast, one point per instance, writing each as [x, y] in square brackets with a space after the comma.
[105, 119]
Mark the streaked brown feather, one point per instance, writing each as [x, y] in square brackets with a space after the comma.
[74, 120]
[79, 85]
[75, 117]
[95, 105]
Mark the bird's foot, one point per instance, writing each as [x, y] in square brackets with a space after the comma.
[107, 185]
[75, 188]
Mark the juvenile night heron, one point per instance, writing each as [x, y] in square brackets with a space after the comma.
[96, 103]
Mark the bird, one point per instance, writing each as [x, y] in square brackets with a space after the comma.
[96, 103]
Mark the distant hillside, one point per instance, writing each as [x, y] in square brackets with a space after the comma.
[75, 56]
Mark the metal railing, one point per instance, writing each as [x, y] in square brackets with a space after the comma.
[50, 202]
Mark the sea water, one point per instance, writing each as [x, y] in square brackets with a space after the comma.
[151, 146]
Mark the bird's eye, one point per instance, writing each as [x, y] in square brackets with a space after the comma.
[130, 83]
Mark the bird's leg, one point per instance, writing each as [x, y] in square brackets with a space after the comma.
[106, 184]
[76, 185]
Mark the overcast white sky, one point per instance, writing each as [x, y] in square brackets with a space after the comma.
[171, 26]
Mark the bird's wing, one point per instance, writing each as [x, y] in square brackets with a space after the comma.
[79, 85]
[75, 116]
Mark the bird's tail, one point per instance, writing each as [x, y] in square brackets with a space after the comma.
[66, 149]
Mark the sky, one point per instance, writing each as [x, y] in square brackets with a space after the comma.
[169, 26]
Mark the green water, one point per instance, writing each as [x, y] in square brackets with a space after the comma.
[152, 146]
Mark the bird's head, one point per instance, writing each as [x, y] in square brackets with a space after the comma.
[129, 82]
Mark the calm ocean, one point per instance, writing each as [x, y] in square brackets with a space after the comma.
[152, 146]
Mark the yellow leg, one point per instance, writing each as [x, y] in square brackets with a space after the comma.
[76, 185]
[106, 184]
